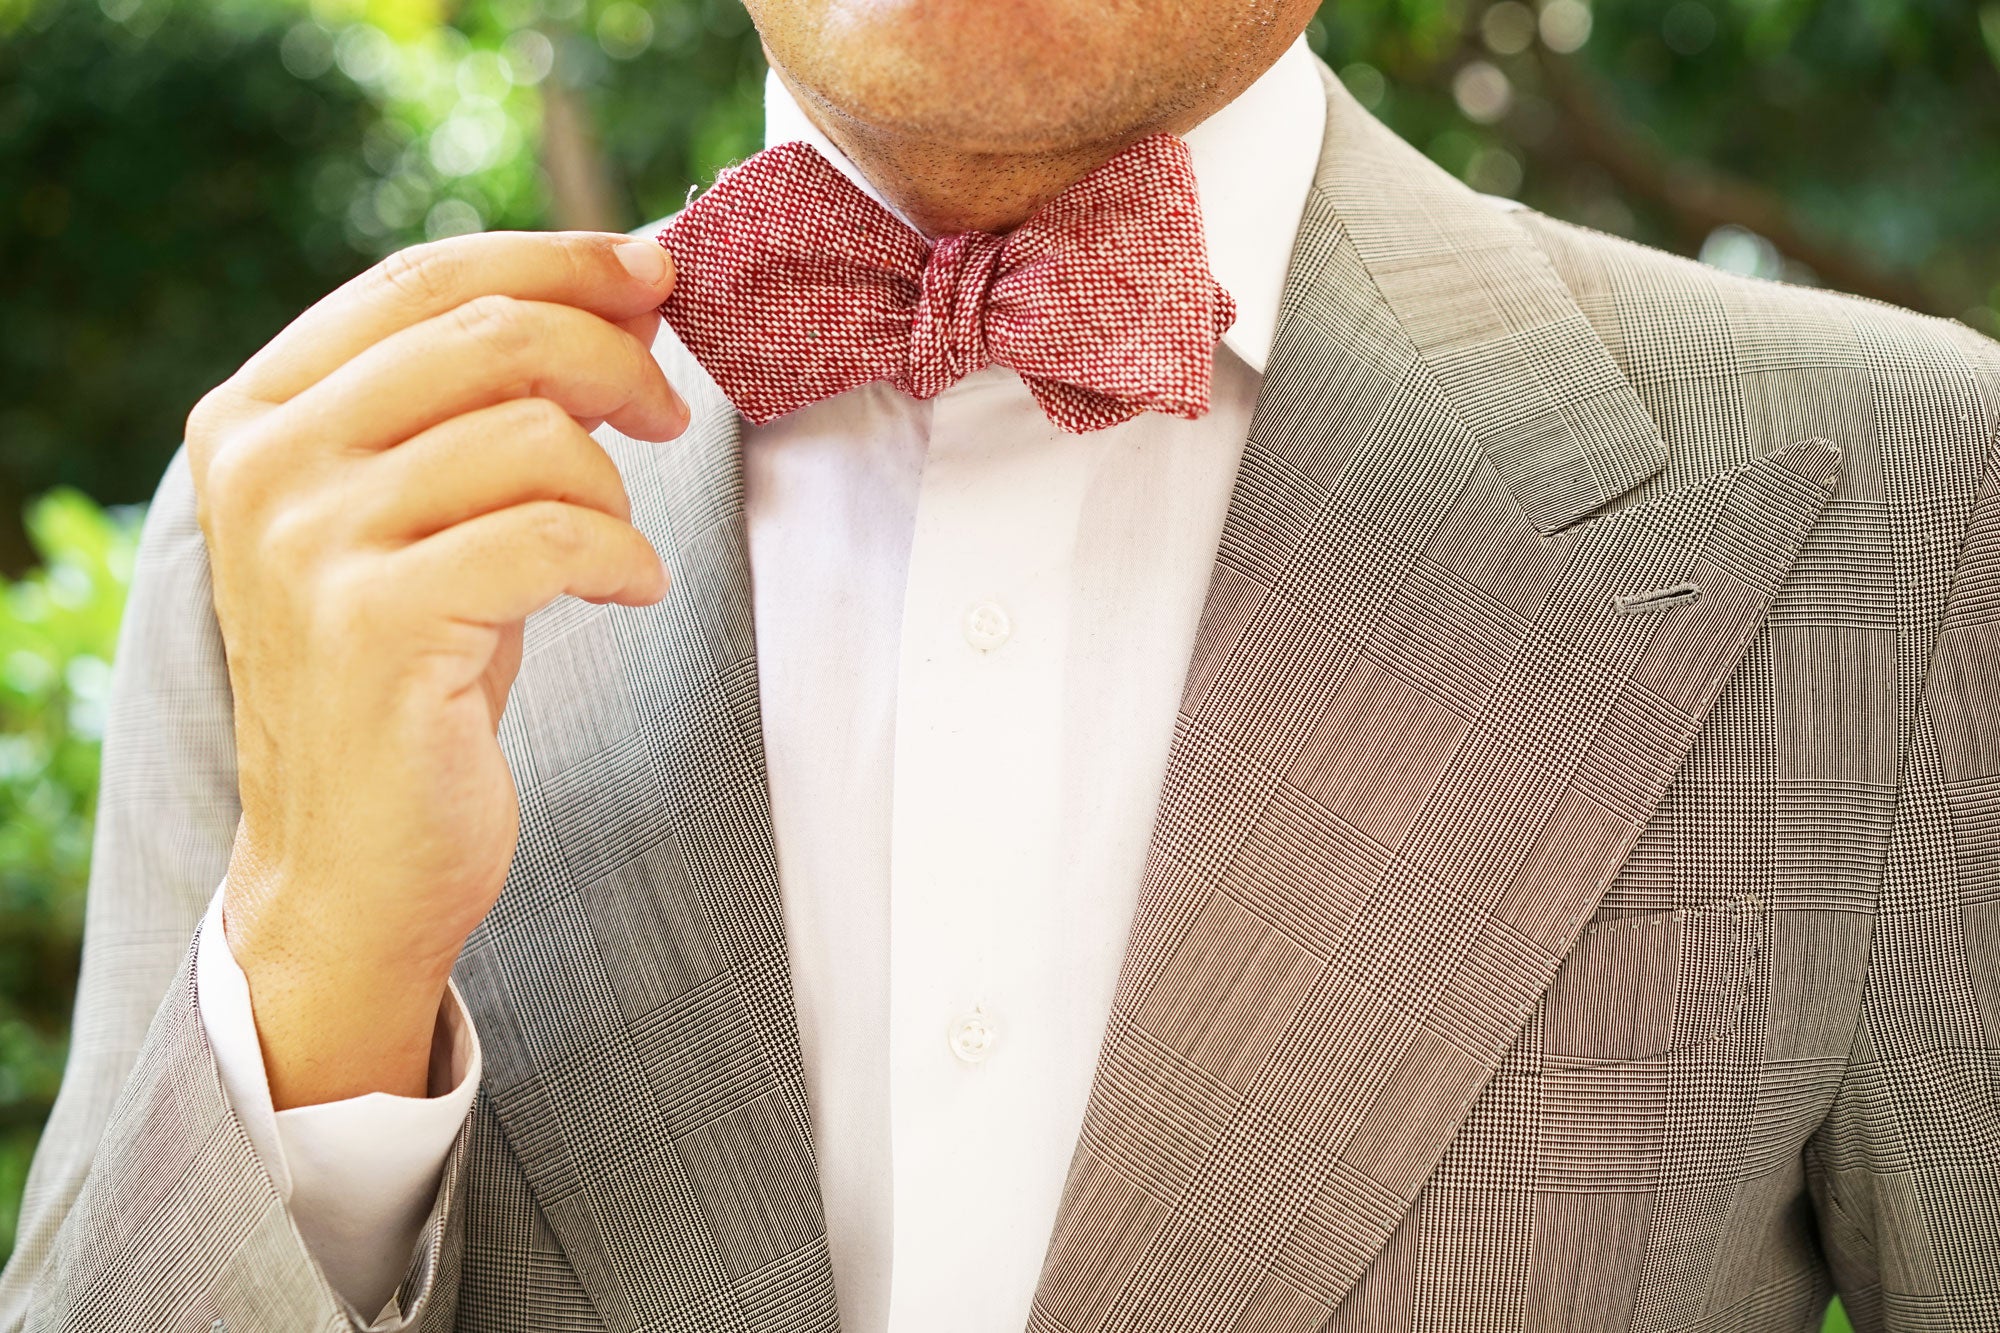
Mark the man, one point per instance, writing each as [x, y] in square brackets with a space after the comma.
[1478, 806]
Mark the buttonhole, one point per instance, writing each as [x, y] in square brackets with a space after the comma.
[1655, 598]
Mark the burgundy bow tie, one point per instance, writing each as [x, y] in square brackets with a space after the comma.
[793, 285]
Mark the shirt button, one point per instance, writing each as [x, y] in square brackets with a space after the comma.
[972, 1037]
[987, 626]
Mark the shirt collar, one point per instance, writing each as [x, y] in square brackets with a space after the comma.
[1254, 163]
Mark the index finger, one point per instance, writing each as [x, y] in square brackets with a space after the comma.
[609, 274]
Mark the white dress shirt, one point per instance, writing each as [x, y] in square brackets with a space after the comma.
[972, 631]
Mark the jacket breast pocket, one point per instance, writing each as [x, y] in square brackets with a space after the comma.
[1636, 987]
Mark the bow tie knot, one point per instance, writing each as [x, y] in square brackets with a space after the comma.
[792, 285]
[948, 327]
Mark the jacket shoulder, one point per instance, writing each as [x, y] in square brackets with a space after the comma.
[1731, 363]
[1599, 266]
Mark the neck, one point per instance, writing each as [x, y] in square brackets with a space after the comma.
[943, 190]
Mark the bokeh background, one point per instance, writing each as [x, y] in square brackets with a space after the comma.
[178, 178]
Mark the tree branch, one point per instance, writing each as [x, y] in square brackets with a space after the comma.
[579, 176]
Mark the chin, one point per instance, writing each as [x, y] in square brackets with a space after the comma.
[1019, 76]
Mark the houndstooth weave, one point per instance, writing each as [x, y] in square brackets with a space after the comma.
[792, 285]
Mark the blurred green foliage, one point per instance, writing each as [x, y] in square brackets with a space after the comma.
[58, 626]
[180, 177]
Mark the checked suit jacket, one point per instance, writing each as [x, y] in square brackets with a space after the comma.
[1573, 905]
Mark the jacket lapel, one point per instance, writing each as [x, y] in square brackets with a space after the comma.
[631, 987]
[1430, 709]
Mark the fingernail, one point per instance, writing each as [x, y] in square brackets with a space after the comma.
[644, 260]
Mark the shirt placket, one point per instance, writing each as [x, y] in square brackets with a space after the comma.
[973, 847]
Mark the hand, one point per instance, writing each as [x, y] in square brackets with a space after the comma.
[388, 489]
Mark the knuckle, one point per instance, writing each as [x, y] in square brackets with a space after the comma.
[423, 275]
[558, 530]
[289, 538]
[541, 418]
[590, 261]
[205, 419]
[344, 610]
[230, 483]
[501, 323]
[211, 424]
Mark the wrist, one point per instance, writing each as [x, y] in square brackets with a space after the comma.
[333, 1031]
[335, 1017]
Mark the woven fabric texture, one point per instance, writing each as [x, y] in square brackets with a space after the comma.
[1528, 943]
[792, 285]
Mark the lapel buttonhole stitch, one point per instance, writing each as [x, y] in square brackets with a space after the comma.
[1654, 599]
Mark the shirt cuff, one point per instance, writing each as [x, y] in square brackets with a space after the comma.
[359, 1176]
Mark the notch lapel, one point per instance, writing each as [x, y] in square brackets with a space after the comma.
[1420, 733]
[630, 987]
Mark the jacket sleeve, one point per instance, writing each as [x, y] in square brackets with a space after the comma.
[359, 1176]
[1905, 1171]
[146, 1206]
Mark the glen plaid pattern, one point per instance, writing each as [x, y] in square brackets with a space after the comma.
[792, 285]
[1507, 961]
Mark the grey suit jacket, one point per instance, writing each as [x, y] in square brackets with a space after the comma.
[1574, 902]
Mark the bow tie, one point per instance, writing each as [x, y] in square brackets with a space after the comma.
[792, 285]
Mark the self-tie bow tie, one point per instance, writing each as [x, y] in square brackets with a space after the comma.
[792, 285]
